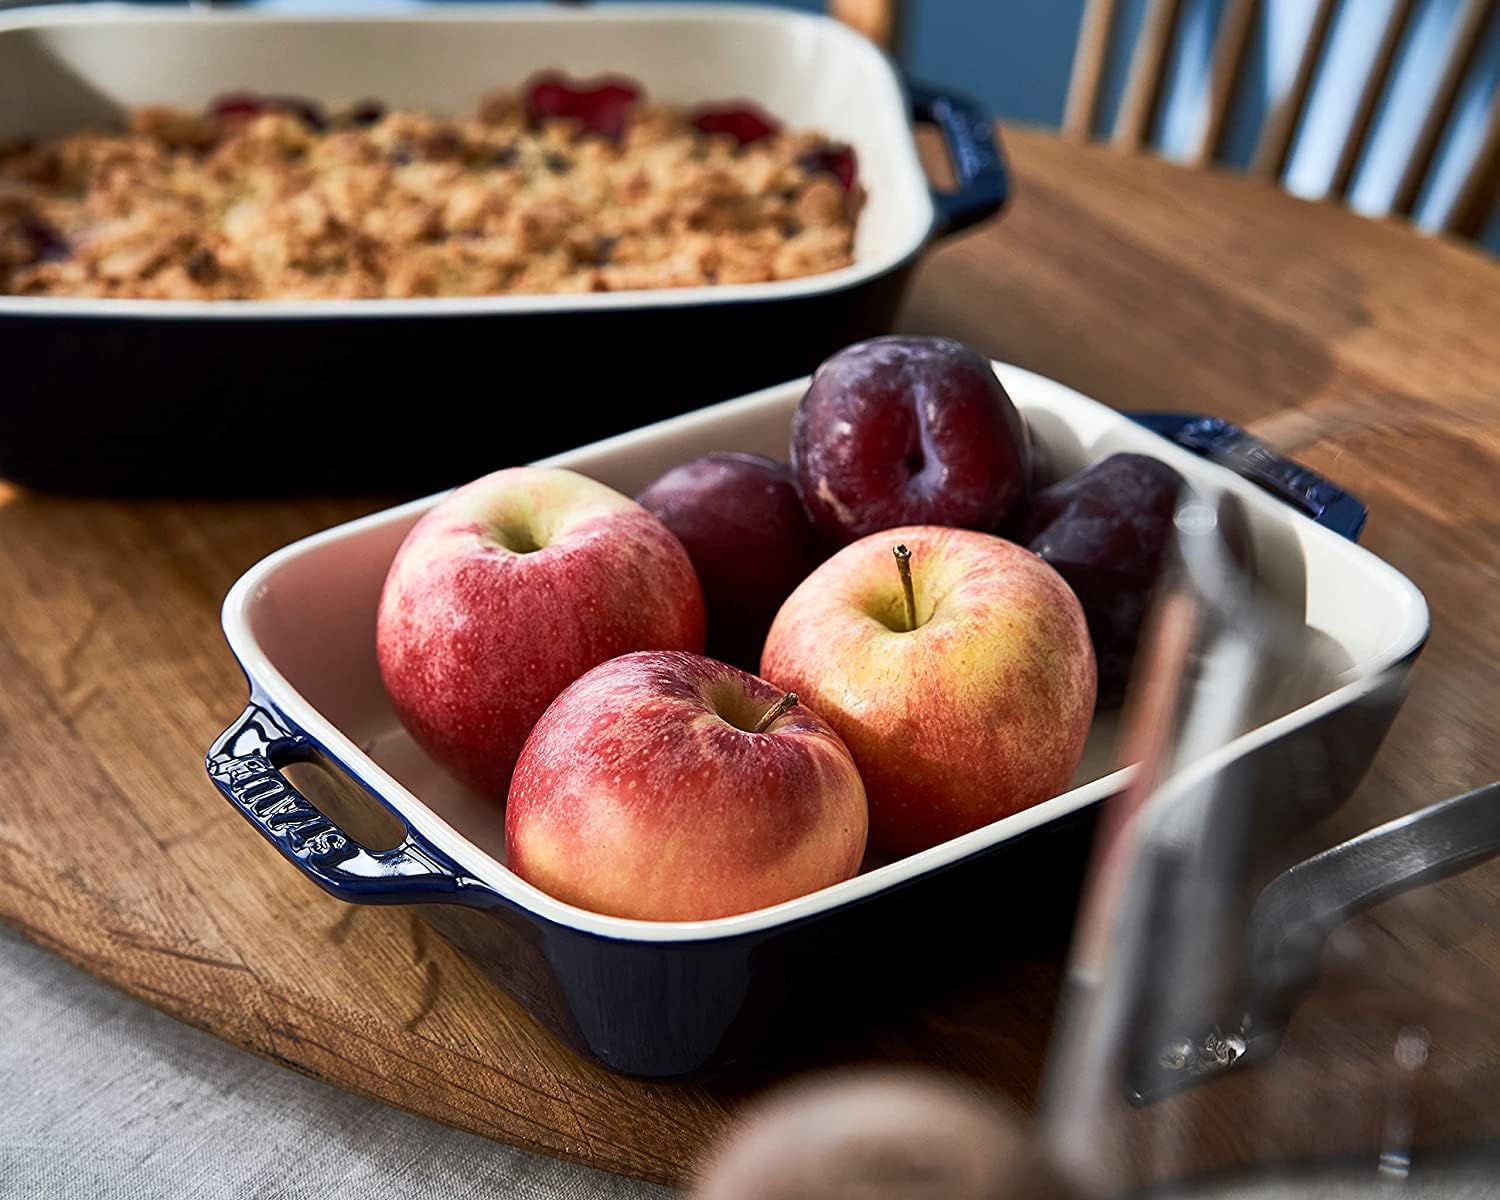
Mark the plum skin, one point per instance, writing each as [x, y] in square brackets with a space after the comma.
[1106, 530]
[907, 431]
[744, 528]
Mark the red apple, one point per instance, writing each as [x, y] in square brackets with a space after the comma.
[509, 590]
[975, 709]
[670, 787]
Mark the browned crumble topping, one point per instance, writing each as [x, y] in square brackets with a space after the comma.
[189, 206]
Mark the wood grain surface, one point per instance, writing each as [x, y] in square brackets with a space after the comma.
[1371, 352]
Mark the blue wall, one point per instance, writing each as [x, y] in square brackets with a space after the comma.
[1015, 54]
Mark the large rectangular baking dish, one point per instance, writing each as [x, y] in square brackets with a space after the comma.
[416, 394]
[675, 998]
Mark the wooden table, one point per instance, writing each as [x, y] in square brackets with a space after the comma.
[1371, 352]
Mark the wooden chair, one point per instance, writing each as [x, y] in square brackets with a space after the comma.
[878, 20]
[1464, 209]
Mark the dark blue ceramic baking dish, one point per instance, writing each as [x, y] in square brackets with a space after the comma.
[673, 999]
[409, 395]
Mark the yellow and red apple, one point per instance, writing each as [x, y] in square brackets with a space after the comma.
[509, 590]
[669, 786]
[964, 700]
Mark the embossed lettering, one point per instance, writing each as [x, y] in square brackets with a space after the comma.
[261, 792]
[270, 798]
[326, 842]
[244, 769]
[294, 816]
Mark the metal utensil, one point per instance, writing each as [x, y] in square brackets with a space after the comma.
[1294, 916]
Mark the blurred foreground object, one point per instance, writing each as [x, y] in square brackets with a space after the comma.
[1217, 935]
[1198, 941]
[873, 1135]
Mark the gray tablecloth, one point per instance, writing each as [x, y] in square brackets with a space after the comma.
[104, 1098]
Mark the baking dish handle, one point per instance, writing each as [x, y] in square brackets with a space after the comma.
[1250, 458]
[245, 764]
[973, 148]
[1298, 909]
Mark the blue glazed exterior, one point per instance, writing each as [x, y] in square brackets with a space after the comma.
[344, 388]
[1250, 457]
[245, 764]
[350, 381]
[969, 133]
[669, 1010]
[663, 1010]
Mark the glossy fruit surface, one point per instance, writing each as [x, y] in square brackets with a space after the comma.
[667, 786]
[907, 431]
[969, 704]
[507, 591]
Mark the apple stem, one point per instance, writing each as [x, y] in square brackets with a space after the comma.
[786, 702]
[903, 565]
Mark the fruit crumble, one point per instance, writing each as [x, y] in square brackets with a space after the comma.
[559, 187]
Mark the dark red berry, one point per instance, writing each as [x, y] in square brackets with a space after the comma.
[366, 112]
[549, 96]
[47, 244]
[603, 108]
[241, 105]
[744, 123]
[201, 265]
[238, 104]
[606, 110]
[836, 159]
[309, 110]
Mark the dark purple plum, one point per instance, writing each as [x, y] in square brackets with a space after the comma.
[1105, 530]
[749, 540]
[907, 431]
